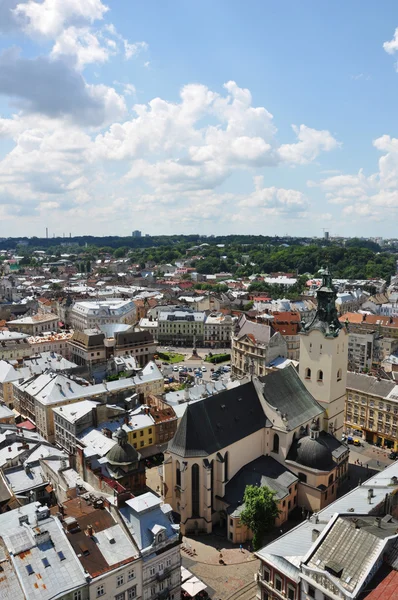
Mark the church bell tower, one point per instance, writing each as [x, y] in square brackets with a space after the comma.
[324, 357]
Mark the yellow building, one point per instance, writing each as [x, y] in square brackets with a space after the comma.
[372, 409]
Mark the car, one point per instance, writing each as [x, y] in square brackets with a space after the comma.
[189, 369]
[165, 363]
[204, 369]
[393, 455]
[215, 377]
[181, 368]
[175, 368]
[212, 370]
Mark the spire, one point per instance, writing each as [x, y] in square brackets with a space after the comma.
[326, 318]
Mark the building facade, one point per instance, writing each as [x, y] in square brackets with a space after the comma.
[181, 327]
[372, 408]
[91, 314]
[40, 323]
[218, 329]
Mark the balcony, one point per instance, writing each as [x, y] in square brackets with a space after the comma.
[161, 575]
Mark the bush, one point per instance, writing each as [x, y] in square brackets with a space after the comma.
[218, 358]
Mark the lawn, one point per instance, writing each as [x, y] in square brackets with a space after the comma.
[171, 357]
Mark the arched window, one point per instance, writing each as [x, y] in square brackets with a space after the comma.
[275, 447]
[302, 477]
[212, 484]
[226, 466]
[320, 376]
[195, 490]
[339, 375]
[308, 373]
[331, 479]
[178, 473]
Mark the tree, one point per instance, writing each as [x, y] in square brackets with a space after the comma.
[260, 512]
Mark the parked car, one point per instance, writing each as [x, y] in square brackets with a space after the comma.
[189, 369]
[393, 455]
[204, 369]
[175, 368]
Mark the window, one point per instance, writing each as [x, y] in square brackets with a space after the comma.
[141, 433]
[152, 571]
[120, 596]
[100, 590]
[275, 446]
[278, 583]
[290, 592]
[266, 574]
[141, 444]
[77, 595]
[339, 375]
[119, 580]
[150, 430]
[302, 477]
[195, 489]
[132, 593]
[226, 466]
[330, 479]
[308, 373]
[153, 590]
[311, 591]
[168, 562]
[320, 376]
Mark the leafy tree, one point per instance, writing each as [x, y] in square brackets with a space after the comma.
[248, 305]
[260, 512]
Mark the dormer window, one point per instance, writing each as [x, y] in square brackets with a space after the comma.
[160, 538]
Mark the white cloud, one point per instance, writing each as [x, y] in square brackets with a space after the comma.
[392, 46]
[374, 196]
[82, 45]
[131, 50]
[311, 142]
[275, 200]
[50, 17]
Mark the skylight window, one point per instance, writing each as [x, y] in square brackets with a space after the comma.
[61, 555]
[29, 569]
[45, 562]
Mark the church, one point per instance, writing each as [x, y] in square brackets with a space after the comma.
[282, 430]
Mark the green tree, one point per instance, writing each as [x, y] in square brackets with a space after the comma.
[260, 512]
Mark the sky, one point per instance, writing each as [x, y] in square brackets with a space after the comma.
[212, 117]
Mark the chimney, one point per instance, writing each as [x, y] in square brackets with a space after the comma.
[370, 496]
[378, 521]
[90, 530]
[315, 534]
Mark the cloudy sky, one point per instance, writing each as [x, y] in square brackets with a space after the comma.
[218, 116]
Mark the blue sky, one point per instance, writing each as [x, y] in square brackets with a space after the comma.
[198, 117]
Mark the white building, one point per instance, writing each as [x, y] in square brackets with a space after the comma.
[41, 560]
[91, 314]
[150, 523]
[218, 330]
[34, 325]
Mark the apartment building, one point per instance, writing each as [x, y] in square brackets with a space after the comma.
[181, 327]
[14, 345]
[346, 550]
[385, 326]
[95, 346]
[288, 324]
[34, 325]
[372, 407]
[361, 349]
[90, 314]
[51, 342]
[157, 537]
[37, 396]
[253, 347]
[218, 329]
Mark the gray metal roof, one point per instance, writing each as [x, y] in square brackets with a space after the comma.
[284, 390]
[218, 421]
[367, 384]
[263, 471]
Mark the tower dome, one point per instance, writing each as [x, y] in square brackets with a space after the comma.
[313, 453]
[122, 453]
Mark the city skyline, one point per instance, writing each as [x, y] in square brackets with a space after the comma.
[205, 119]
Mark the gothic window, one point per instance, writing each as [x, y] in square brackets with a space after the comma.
[275, 447]
[331, 479]
[308, 373]
[178, 473]
[339, 375]
[195, 490]
[226, 467]
[320, 376]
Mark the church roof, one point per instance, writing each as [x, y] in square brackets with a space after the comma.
[218, 421]
[284, 390]
[263, 471]
[316, 453]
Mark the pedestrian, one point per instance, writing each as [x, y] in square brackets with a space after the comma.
[241, 549]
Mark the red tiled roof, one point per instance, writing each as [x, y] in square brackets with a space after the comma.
[387, 589]
[370, 319]
[27, 425]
